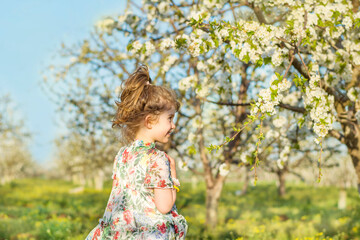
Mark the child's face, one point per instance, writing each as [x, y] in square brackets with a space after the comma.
[161, 130]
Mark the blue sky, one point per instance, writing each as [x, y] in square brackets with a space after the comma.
[31, 32]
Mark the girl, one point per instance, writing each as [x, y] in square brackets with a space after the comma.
[142, 199]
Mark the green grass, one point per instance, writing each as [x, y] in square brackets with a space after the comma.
[44, 209]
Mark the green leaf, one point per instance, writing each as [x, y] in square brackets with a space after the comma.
[129, 47]
[246, 58]
[259, 62]
[301, 122]
[250, 33]
[191, 150]
[237, 52]
[336, 14]
[180, 42]
[267, 60]
[357, 22]
[278, 75]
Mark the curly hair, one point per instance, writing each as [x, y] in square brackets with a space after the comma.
[140, 98]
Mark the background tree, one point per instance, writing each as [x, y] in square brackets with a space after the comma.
[288, 149]
[15, 158]
[85, 159]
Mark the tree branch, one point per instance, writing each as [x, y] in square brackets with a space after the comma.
[224, 103]
[292, 108]
[297, 174]
[258, 13]
[355, 4]
[337, 135]
[193, 170]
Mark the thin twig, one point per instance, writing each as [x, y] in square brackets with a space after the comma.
[257, 150]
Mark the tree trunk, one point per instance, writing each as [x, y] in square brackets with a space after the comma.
[350, 125]
[74, 178]
[352, 141]
[194, 182]
[212, 203]
[246, 182]
[99, 180]
[355, 157]
[342, 198]
[281, 186]
[82, 180]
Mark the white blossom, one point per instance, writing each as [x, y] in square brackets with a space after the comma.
[276, 58]
[183, 166]
[197, 14]
[243, 157]
[194, 47]
[117, 90]
[122, 18]
[224, 169]
[136, 46]
[223, 33]
[201, 66]
[254, 110]
[167, 43]
[284, 153]
[169, 61]
[354, 94]
[292, 98]
[73, 59]
[268, 107]
[280, 163]
[203, 92]
[284, 85]
[106, 25]
[209, 3]
[347, 22]
[192, 137]
[280, 122]
[197, 122]
[163, 7]
[272, 134]
[150, 48]
[187, 82]
[312, 19]
[265, 94]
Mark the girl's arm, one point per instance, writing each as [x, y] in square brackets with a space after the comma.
[165, 198]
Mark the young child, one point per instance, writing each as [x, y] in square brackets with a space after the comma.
[142, 200]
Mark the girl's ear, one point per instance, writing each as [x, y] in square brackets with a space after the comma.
[147, 121]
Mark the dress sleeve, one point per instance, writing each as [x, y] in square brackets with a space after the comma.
[158, 172]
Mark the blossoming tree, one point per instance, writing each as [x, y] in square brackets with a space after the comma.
[248, 56]
[288, 149]
[15, 158]
[84, 159]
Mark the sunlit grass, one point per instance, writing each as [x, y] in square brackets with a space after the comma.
[44, 209]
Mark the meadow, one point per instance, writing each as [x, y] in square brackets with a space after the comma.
[44, 209]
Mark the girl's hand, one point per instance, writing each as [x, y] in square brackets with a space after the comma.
[172, 166]
[172, 162]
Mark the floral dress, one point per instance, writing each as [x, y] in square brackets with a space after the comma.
[131, 212]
